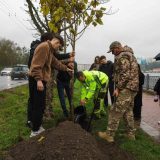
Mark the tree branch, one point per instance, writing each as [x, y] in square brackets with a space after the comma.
[40, 30]
[38, 17]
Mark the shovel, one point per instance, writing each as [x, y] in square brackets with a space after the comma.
[88, 129]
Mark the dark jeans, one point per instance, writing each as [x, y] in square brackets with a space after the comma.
[36, 104]
[60, 87]
[137, 112]
[111, 90]
[138, 105]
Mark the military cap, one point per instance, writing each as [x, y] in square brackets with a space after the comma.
[114, 45]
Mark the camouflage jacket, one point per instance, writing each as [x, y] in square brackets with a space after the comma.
[126, 71]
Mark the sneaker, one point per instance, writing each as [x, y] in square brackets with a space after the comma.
[105, 136]
[35, 133]
[41, 129]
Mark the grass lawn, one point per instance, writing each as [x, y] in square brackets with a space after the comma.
[13, 105]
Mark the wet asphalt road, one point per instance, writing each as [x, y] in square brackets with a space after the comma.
[6, 82]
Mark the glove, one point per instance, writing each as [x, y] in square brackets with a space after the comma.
[101, 95]
[104, 85]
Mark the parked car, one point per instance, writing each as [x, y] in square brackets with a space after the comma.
[19, 71]
[6, 72]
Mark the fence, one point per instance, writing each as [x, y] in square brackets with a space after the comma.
[150, 82]
[82, 67]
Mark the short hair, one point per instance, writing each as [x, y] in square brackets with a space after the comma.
[60, 38]
[102, 57]
[46, 36]
[79, 74]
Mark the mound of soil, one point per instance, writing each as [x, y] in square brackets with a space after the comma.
[66, 142]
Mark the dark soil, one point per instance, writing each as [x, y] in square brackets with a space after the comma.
[66, 142]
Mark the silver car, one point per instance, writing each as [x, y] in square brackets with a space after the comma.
[6, 72]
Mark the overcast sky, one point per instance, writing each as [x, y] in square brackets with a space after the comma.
[137, 24]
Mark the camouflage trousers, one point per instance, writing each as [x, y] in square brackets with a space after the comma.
[49, 98]
[122, 108]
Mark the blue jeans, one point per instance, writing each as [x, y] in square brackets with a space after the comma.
[60, 87]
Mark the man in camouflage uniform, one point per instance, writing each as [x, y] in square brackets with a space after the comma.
[126, 80]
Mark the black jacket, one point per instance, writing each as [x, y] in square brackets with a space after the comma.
[157, 87]
[33, 46]
[138, 97]
[107, 69]
[64, 76]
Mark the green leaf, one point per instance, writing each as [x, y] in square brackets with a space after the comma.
[79, 21]
[72, 31]
[93, 12]
[85, 1]
[102, 8]
[94, 3]
[53, 27]
[99, 14]
[57, 18]
[89, 20]
[99, 21]
[45, 10]
[94, 23]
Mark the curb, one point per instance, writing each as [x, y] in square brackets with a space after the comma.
[150, 131]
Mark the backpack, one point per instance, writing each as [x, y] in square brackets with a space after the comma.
[33, 46]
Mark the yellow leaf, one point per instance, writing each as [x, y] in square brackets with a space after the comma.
[53, 27]
[41, 139]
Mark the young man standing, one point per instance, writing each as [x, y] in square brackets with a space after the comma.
[106, 67]
[44, 37]
[40, 73]
[63, 83]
